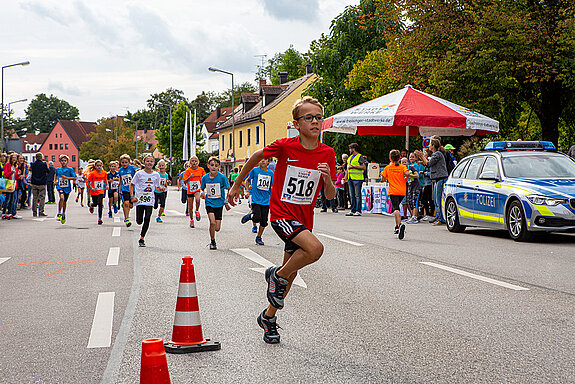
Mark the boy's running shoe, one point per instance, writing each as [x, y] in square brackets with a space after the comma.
[255, 229]
[401, 233]
[109, 214]
[141, 243]
[247, 217]
[100, 222]
[159, 220]
[276, 287]
[187, 214]
[357, 213]
[259, 241]
[82, 205]
[63, 219]
[270, 327]
[115, 209]
[192, 224]
[396, 231]
[91, 209]
[213, 245]
[76, 199]
[128, 223]
[198, 217]
[59, 217]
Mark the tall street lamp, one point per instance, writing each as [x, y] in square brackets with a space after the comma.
[136, 135]
[6, 66]
[167, 105]
[13, 102]
[212, 69]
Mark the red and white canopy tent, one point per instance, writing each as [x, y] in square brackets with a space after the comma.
[410, 112]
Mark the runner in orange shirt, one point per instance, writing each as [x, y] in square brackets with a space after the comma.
[193, 178]
[395, 174]
[97, 180]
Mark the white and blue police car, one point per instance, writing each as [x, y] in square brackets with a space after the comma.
[520, 186]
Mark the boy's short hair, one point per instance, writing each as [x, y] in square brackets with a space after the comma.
[394, 155]
[113, 162]
[63, 157]
[214, 158]
[125, 156]
[300, 102]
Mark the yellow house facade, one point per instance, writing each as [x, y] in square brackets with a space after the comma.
[260, 119]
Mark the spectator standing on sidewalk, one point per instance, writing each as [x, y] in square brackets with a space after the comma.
[356, 165]
[571, 151]
[344, 204]
[11, 172]
[38, 181]
[438, 174]
[50, 183]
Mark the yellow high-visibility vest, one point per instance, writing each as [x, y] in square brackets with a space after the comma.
[354, 174]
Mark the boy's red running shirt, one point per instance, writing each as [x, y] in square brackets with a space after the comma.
[297, 181]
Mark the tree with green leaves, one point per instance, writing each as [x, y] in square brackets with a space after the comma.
[291, 61]
[111, 139]
[224, 99]
[43, 112]
[159, 104]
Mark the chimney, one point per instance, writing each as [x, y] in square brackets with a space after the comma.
[262, 82]
[36, 132]
[218, 112]
[308, 69]
[283, 77]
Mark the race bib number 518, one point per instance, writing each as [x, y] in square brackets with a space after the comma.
[300, 185]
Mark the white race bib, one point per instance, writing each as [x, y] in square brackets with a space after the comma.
[63, 183]
[114, 184]
[194, 185]
[98, 185]
[163, 182]
[146, 198]
[300, 185]
[126, 180]
[213, 190]
[264, 182]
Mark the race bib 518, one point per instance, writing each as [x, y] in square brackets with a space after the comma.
[300, 185]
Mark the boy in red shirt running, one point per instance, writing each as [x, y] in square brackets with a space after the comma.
[304, 165]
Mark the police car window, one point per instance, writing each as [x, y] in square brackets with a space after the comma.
[474, 166]
[490, 165]
[459, 169]
[541, 166]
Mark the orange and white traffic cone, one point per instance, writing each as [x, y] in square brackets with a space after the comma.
[154, 366]
[187, 335]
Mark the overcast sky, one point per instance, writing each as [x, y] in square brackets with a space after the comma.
[107, 56]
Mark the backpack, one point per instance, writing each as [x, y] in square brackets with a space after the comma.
[449, 163]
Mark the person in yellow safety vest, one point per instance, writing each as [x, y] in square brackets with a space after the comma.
[356, 165]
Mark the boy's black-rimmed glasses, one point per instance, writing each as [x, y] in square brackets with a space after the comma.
[309, 118]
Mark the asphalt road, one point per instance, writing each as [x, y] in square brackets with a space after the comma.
[436, 307]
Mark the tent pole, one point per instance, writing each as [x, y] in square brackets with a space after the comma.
[407, 138]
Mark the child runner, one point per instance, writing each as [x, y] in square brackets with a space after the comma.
[184, 187]
[260, 179]
[404, 203]
[63, 180]
[193, 177]
[81, 183]
[213, 188]
[114, 183]
[303, 166]
[414, 187]
[161, 195]
[395, 174]
[127, 172]
[142, 193]
[97, 180]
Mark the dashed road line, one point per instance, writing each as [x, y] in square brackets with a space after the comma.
[474, 276]
[4, 259]
[256, 258]
[116, 231]
[175, 213]
[117, 220]
[101, 332]
[340, 239]
[113, 256]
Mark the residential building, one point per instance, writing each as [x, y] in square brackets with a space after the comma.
[65, 138]
[209, 126]
[147, 143]
[31, 144]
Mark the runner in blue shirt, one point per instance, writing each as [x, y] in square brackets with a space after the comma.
[114, 185]
[260, 179]
[127, 172]
[161, 195]
[63, 180]
[213, 188]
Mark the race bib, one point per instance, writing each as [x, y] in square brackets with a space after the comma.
[264, 182]
[146, 198]
[163, 182]
[63, 183]
[114, 184]
[126, 180]
[194, 185]
[99, 185]
[213, 190]
[300, 185]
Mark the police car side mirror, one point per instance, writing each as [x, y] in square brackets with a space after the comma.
[488, 175]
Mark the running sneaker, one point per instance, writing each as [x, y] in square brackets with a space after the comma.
[192, 224]
[16, 217]
[438, 223]
[198, 217]
[91, 209]
[247, 217]
[401, 233]
[58, 216]
[82, 205]
[100, 222]
[76, 199]
[63, 219]
[255, 229]
[128, 223]
[159, 220]
[109, 214]
[357, 213]
[412, 220]
[259, 241]
[276, 287]
[187, 214]
[163, 213]
[141, 243]
[270, 327]
[213, 245]
[115, 209]
[396, 231]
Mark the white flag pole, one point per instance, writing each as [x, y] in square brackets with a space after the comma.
[185, 152]
[193, 137]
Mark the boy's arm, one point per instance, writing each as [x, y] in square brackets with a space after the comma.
[248, 166]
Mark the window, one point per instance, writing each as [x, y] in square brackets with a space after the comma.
[73, 157]
[61, 146]
[231, 141]
[474, 166]
[223, 142]
[257, 134]
[490, 165]
[50, 146]
[66, 146]
[248, 137]
[240, 137]
[53, 158]
[459, 169]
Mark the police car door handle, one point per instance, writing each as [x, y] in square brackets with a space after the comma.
[476, 187]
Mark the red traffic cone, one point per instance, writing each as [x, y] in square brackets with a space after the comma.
[187, 335]
[154, 366]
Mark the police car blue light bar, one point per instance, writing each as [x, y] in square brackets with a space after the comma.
[519, 145]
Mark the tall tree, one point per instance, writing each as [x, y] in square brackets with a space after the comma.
[224, 99]
[159, 104]
[178, 123]
[44, 111]
[290, 61]
[111, 139]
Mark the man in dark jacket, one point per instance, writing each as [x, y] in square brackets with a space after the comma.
[50, 183]
[38, 181]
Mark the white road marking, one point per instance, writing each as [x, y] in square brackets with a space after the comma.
[3, 259]
[117, 220]
[101, 333]
[44, 219]
[251, 255]
[477, 277]
[175, 213]
[113, 256]
[339, 239]
[116, 231]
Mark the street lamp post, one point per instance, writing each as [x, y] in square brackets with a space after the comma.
[6, 66]
[167, 105]
[212, 69]
[137, 137]
[14, 102]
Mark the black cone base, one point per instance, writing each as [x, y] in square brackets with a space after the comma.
[209, 345]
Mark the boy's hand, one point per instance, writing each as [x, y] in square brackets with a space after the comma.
[325, 171]
[134, 199]
[233, 195]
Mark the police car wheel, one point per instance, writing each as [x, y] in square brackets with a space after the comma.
[452, 217]
[516, 223]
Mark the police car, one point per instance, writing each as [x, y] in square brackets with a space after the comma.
[520, 186]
